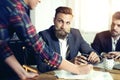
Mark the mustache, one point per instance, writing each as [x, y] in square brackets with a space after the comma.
[113, 30]
[58, 29]
[61, 29]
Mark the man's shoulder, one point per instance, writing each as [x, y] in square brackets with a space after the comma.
[104, 34]
[73, 30]
[107, 32]
[46, 31]
[43, 31]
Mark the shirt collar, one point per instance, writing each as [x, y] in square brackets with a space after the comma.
[65, 39]
[115, 40]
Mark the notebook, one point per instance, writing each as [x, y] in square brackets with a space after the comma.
[93, 75]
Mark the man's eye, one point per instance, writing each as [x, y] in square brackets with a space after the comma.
[118, 25]
[60, 21]
[68, 23]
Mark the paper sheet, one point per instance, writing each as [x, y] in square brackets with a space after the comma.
[101, 65]
[93, 75]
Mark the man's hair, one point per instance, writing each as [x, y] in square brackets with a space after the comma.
[65, 10]
[116, 15]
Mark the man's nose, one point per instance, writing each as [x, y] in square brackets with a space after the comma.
[39, 1]
[115, 27]
[63, 26]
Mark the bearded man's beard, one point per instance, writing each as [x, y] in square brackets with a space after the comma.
[60, 33]
[114, 33]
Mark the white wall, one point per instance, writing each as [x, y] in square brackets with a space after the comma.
[90, 16]
[42, 16]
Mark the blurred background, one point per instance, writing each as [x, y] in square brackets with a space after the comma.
[90, 16]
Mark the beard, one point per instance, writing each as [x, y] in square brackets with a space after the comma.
[61, 33]
[114, 33]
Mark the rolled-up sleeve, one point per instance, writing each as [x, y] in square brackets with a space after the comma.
[4, 50]
[27, 32]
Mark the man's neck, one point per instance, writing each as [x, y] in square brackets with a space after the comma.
[116, 37]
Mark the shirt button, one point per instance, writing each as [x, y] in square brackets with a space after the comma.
[45, 60]
[51, 65]
[48, 63]
[54, 66]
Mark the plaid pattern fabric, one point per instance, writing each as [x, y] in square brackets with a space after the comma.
[14, 19]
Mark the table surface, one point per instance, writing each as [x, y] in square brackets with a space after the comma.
[115, 73]
[50, 75]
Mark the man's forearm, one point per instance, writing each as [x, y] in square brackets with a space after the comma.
[14, 64]
[76, 69]
[68, 66]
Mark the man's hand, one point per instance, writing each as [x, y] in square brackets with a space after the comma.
[85, 69]
[80, 60]
[86, 59]
[114, 54]
[93, 58]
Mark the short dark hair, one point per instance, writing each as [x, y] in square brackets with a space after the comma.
[65, 10]
[116, 15]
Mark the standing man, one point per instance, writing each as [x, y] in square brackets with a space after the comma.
[107, 43]
[66, 40]
[14, 19]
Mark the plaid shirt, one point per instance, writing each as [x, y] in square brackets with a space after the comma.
[14, 19]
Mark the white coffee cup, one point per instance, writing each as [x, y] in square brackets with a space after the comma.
[108, 63]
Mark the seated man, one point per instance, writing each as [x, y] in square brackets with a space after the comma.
[107, 43]
[66, 41]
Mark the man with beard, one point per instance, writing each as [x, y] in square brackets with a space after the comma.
[107, 43]
[66, 40]
[14, 19]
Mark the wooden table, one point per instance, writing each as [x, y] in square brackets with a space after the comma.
[50, 75]
[115, 73]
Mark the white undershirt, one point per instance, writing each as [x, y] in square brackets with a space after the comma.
[114, 42]
[63, 47]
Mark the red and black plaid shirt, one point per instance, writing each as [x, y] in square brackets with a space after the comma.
[14, 19]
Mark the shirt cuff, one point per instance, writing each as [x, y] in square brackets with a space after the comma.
[103, 53]
[55, 61]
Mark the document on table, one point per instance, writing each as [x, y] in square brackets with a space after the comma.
[101, 65]
[93, 75]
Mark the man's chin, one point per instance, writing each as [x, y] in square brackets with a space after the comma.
[115, 35]
[61, 36]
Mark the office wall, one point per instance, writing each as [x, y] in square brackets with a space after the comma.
[42, 16]
[90, 16]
